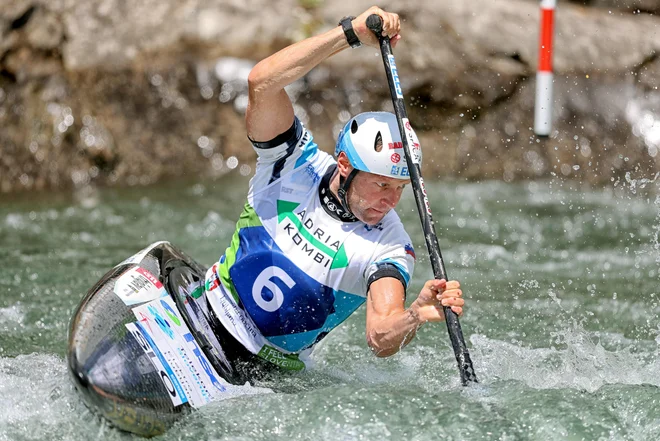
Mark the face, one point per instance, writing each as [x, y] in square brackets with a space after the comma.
[371, 196]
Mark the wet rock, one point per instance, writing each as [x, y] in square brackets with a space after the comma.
[128, 93]
[638, 6]
[44, 30]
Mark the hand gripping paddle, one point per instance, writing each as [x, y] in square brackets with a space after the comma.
[413, 157]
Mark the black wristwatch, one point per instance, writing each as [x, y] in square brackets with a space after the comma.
[350, 34]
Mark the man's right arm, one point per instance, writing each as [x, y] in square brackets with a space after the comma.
[390, 326]
[270, 112]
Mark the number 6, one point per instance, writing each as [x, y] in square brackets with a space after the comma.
[263, 281]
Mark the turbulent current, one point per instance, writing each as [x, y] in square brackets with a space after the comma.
[561, 319]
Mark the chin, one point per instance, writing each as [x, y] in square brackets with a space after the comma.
[372, 218]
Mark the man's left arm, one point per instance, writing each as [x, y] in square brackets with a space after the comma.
[391, 326]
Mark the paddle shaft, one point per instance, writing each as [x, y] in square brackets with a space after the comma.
[374, 23]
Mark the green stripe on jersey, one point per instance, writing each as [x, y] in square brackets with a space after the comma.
[248, 218]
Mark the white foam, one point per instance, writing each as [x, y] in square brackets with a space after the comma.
[39, 402]
[36, 388]
[578, 361]
[12, 315]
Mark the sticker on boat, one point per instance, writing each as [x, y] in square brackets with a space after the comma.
[167, 332]
[138, 285]
[165, 372]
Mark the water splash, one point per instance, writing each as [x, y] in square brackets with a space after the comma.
[645, 121]
[36, 387]
[13, 315]
[576, 360]
[639, 184]
[653, 186]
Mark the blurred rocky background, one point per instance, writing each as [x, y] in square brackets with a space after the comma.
[132, 92]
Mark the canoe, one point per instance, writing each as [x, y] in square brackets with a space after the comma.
[140, 352]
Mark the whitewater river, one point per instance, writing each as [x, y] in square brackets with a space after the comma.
[561, 318]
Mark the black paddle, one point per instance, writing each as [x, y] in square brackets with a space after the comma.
[375, 24]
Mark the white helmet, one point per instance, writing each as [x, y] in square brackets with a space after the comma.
[372, 143]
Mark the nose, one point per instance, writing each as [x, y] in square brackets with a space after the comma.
[392, 198]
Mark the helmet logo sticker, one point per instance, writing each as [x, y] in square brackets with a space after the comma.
[399, 171]
[395, 158]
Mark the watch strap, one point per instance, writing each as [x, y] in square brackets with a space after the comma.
[349, 32]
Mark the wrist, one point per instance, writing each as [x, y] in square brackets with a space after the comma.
[350, 34]
[416, 314]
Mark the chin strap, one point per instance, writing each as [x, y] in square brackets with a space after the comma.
[342, 191]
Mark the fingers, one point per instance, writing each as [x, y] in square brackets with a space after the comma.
[440, 285]
[436, 285]
[457, 310]
[394, 40]
[447, 293]
[437, 295]
[391, 24]
[455, 304]
[452, 301]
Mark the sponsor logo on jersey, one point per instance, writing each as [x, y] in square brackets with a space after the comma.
[311, 172]
[334, 206]
[378, 226]
[289, 362]
[311, 239]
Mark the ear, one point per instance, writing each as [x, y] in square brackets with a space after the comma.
[344, 165]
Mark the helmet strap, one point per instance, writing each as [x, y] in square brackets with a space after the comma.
[342, 191]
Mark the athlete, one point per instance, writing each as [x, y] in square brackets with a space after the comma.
[318, 236]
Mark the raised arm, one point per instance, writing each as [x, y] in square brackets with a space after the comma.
[270, 112]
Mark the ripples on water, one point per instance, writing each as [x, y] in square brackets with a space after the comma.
[561, 320]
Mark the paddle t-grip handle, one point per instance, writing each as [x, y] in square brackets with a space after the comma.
[375, 24]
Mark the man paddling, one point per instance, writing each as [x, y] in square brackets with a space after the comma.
[318, 237]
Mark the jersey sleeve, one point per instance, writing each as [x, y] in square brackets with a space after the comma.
[284, 153]
[394, 257]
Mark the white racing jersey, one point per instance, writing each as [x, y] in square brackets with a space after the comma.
[294, 270]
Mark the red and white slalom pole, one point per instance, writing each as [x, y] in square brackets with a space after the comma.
[544, 77]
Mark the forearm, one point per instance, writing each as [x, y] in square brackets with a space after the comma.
[390, 334]
[269, 111]
[291, 63]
